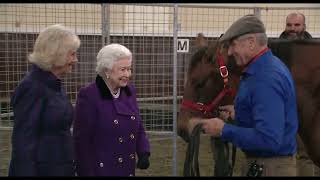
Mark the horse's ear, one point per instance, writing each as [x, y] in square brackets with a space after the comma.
[201, 41]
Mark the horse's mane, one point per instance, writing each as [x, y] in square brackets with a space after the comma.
[297, 41]
[283, 48]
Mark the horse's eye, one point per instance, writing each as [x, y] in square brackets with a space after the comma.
[213, 60]
[201, 84]
[193, 82]
[197, 83]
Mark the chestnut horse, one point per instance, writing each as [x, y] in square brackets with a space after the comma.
[204, 83]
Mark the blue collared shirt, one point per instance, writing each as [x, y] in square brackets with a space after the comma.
[265, 109]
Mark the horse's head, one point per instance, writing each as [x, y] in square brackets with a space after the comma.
[204, 83]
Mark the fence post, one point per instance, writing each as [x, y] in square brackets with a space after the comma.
[105, 23]
[257, 12]
[175, 34]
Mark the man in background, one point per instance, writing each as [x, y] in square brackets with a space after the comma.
[296, 29]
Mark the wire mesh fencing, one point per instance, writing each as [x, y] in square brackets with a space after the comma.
[149, 31]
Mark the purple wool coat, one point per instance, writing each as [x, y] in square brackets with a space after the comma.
[108, 132]
[41, 137]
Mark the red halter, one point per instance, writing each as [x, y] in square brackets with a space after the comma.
[207, 108]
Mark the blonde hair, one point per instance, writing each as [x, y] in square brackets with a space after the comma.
[52, 46]
[109, 54]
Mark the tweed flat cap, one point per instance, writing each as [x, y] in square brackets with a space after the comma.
[245, 25]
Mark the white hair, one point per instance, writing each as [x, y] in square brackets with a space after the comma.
[109, 54]
[52, 46]
[262, 38]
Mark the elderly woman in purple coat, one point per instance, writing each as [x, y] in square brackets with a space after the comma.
[41, 138]
[108, 130]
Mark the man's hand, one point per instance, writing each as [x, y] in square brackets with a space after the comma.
[211, 126]
[226, 112]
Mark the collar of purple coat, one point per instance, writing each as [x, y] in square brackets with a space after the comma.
[104, 90]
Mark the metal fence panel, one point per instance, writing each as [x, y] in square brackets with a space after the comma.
[148, 30]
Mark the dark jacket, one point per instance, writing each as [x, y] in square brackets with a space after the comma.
[304, 35]
[41, 137]
[108, 132]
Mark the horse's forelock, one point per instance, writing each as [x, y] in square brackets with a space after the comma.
[196, 58]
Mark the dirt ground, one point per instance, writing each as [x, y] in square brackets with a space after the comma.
[161, 161]
[161, 158]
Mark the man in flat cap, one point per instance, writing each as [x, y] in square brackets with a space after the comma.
[245, 25]
[264, 111]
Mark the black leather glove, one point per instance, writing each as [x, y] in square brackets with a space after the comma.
[143, 160]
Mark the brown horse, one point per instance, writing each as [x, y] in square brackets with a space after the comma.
[204, 83]
[302, 57]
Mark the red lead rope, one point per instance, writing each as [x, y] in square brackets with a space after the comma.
[207, 108]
